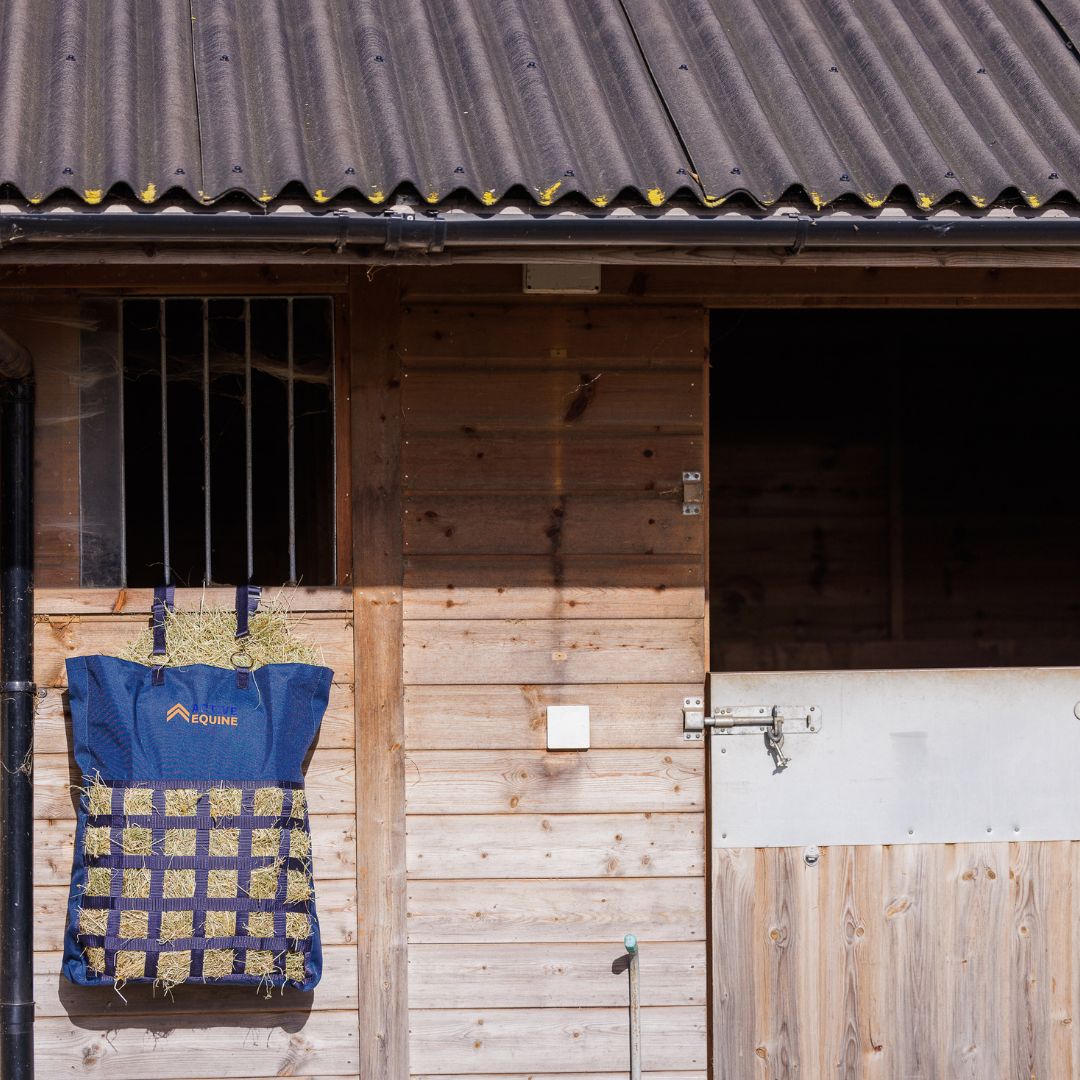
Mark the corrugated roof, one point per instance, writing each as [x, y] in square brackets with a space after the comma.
[868, 98]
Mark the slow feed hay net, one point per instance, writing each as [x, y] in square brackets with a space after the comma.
[193, 844]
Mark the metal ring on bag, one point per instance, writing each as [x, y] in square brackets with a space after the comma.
[157, 659]
[242, 656]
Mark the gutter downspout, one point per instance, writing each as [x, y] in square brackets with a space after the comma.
[17, 694]
[397, 231]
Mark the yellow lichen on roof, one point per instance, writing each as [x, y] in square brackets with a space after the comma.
[93, 195]
[655, 196]
[488, 198]
[148, 193]
[547, 195]
[320, 196]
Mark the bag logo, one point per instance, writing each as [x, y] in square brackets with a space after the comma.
[205, 715]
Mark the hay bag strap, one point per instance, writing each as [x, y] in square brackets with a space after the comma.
[193, 855]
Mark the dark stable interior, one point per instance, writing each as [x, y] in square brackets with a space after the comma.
[893, 488]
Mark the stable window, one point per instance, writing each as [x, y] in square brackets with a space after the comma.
[206, 441]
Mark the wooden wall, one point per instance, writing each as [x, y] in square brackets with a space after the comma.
[197, 1032]
[548, 561]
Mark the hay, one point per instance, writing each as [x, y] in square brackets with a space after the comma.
[260, 924]
[259, 962]
[297, 925]
[299, 804]
[176, 924]
[93, 922]
[95, 958]
[217, 963]
[208, 636]
[295, 967]
[220, 924]
[299, 844]
[138, 801]
[136, 884]
[181, 802]
[269, 801]
[97, 841]
[264, 881]
[179, 884]
[179, 841]
[298, 888]
[137, 840]
[98, 797]
[134, 924]
[173, 968]
[225, 841]
[221, 884]
[265, 841]
[98, 881]
[130, 964]
[224, 802]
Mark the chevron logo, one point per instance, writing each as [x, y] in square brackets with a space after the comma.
[178, 710]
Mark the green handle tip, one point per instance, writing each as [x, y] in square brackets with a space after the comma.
[631, 943]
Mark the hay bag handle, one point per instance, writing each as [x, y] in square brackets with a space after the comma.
[247, 603]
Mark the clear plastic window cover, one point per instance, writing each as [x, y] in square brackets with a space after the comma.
[266, 361]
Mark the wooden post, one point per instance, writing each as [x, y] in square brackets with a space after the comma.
[377, 584]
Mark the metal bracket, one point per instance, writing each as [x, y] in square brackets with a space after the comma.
[693, 719]
[693, 494]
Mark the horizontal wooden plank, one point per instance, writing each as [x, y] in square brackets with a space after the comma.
[553, 651]
[515, 717]
[650, 1075]
[295, 598]
[52, 722]
[656, 909]
[513, 1040]
[330, 780]
[537, 782]
[55, 996]
[256, 1043]
[522, 333]
[56, 637]
[571, 464]
[549, 399]
[556, 845]
[333, 839]
[627, 523]
[553, 587]
[335, 900]
[565, 974]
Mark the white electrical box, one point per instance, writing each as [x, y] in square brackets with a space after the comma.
[568, 727]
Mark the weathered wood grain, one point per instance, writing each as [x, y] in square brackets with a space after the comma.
[556, 845]
[552, 975]
[519, 334]
[330, 781]
[650, 1075]
[333, 838]
[537, 782]
[661, 909]
[335, 899]
[842, 932]
[508, 1040]
[571, 464]
[376, 434]
[553, 587]
[55, 996]
[52, 722]
[256, 1043]
[514, 717]
[553, 651]
[621, 523]
[57, 637]
[137, 602]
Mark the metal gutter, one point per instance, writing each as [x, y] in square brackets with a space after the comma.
[17, 700]
[434, 233]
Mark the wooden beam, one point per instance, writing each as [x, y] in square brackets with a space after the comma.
[380, 715]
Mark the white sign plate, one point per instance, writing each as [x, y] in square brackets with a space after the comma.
[903, 757]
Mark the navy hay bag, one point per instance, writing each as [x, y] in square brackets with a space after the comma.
[192, 846]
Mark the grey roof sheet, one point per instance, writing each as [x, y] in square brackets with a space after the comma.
[920, 99]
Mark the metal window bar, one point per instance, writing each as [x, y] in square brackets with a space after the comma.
[206, 440]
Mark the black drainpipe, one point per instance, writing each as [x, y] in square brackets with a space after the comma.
[17, 694]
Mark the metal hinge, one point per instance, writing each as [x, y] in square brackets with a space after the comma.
[772, 721]
[693, 494]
